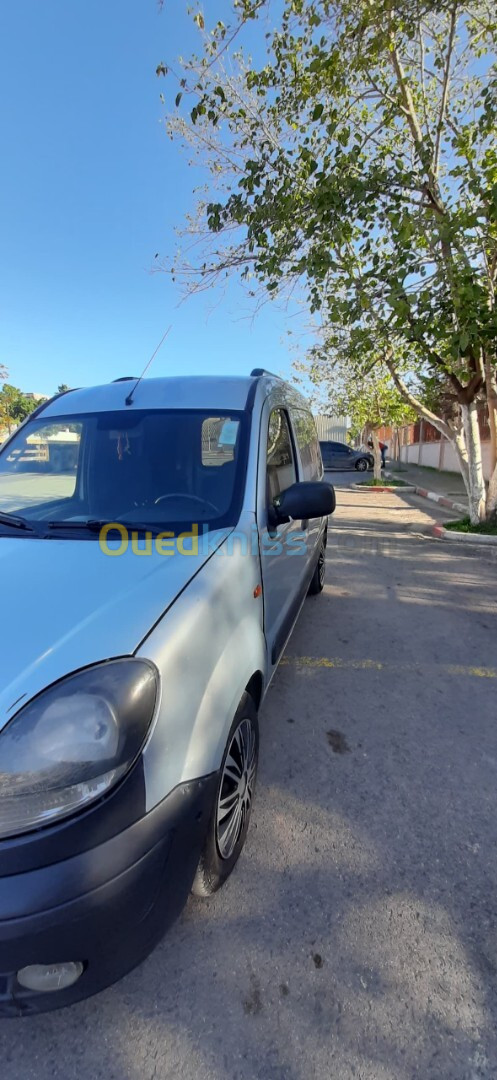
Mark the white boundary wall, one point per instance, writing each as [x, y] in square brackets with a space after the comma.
[440, 455]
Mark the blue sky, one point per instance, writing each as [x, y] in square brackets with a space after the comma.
[90, 190]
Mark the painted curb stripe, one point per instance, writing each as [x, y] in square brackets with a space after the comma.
[442, 500]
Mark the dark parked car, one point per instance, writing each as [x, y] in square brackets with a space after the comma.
[337, 455]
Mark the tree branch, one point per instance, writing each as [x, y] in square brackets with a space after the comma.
[445, 89]
[405, 93]
[244, 19]
[415, 404]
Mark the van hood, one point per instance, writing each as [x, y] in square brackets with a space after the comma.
[65, 604]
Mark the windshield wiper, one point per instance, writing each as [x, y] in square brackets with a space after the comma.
[141, 527]
[15, 521]
[94, 525]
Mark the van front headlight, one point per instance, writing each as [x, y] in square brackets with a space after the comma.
[73, 742]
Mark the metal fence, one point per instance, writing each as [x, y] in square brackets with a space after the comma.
[331, 427]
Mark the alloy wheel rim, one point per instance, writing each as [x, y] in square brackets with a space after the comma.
[237, 788]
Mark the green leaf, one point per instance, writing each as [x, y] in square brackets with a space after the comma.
[318, 111]
[178, 99]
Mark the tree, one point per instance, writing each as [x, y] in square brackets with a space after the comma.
[360, 160]
[62, 389]
[369, 402]
[14, 406]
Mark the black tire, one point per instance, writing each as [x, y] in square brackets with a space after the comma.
[361, 465]
[214, 866]
[317, 580]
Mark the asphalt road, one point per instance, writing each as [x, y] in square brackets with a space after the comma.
[29, 488]
[357, 937]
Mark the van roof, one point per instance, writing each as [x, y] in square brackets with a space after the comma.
[223, 392]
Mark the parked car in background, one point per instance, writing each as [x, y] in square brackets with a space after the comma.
[130, 685]
[337, 455]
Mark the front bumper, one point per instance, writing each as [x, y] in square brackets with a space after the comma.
[106, 900]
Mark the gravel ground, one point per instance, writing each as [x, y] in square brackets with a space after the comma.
[357, 937]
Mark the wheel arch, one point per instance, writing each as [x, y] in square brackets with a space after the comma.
[255, 687]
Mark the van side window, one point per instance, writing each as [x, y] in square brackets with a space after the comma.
[280, 460]
[308, 444]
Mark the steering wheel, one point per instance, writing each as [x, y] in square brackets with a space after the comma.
[184, 495]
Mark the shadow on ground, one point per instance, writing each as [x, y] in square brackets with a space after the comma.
[358, 935]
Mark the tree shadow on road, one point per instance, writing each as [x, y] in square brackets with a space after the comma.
[358, 935]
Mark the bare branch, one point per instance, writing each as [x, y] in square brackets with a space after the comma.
[445, 88]
[414, 402]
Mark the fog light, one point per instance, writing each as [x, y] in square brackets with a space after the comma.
[44, 979]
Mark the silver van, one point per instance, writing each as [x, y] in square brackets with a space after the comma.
[157, 540]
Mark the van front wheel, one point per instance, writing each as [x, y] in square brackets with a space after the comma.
[233, 803]
[317, 580]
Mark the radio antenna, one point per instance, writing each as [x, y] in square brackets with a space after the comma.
[129, 399]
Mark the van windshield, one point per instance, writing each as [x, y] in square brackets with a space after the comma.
[158, 468]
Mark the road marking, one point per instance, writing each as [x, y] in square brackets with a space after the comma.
[478, 672]
[339, 663]
[331, 662]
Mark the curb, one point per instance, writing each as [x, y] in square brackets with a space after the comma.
[465, 538]
[440, 499]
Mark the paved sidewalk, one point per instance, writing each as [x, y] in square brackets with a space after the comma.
[448, 485]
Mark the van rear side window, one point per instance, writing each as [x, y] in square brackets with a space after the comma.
[280, 464]
[308, 444]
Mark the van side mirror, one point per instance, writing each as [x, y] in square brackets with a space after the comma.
[306, 499]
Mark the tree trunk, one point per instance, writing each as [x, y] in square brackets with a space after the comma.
[466, 442]
[377, 456]
[476, 483]
[491, 392]
[492, 495]
[397, 445]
